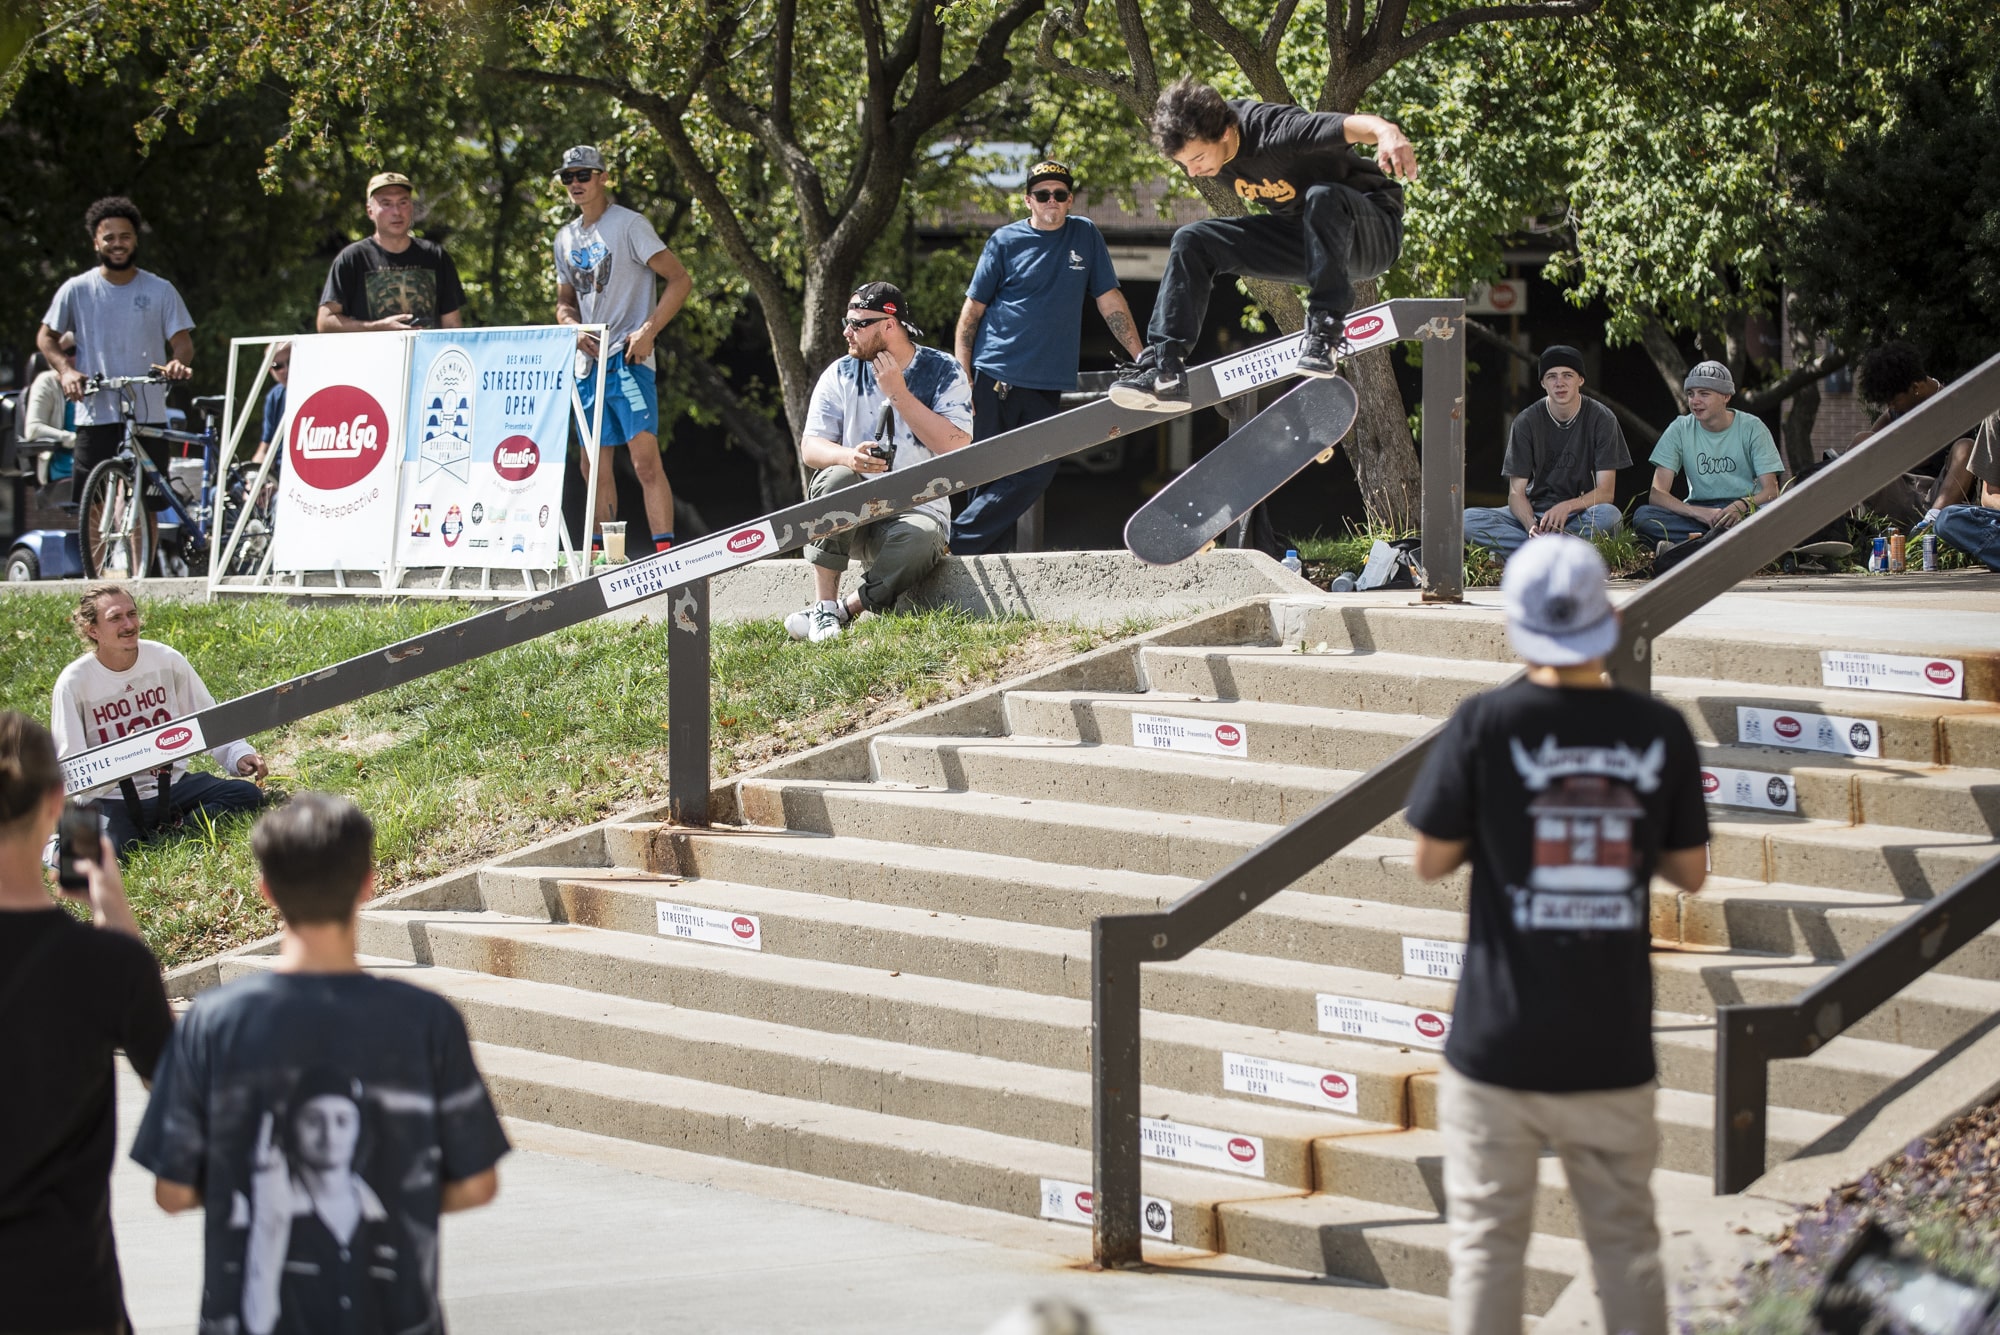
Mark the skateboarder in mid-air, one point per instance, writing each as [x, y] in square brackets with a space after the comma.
[1334, 217]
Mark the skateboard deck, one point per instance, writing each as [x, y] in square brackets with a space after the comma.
[1252, 462]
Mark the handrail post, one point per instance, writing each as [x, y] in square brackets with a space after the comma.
[1114, 1112]
[1443, 500]
[688, 706]
[1742, 1094]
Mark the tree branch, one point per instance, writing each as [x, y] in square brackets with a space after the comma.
[1770, 396]
[1453, 24]
[1257, 61]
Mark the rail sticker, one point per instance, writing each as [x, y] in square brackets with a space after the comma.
[1905, 674]
[1383, 1021]
[1425, 958]
[1279, 358]
[1071, 1203]
[683, 565]
[129, 754]
[1797, 731]
[1756, 789]
[1291, 1082]
[689, 923]
[1201, 1147]
[1169, 732]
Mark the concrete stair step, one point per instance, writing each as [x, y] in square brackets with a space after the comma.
[1931, 1013]
[1809, 920]
[1858, 790]
[1276, 734]
[1381, 1244]
[1882, 859]
[1842, 1077]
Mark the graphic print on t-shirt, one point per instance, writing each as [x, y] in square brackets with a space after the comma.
[410, 291]
[1583, 876]
[591, 259]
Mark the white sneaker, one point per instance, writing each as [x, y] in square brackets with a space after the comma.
[828, 620]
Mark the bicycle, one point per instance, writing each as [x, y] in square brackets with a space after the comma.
[116, 540]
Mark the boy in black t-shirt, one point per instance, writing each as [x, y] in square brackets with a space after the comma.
[324, 1118]
[1334, 217]
[1567, 795]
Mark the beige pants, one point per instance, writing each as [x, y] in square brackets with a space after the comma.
[1608, 1144]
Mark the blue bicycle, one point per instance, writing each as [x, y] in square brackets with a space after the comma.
[126, 500]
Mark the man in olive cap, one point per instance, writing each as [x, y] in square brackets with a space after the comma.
[1561, 466]
[391, 280]
[1731, 462]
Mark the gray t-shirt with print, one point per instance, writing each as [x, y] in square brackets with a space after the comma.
[1561, 462]
[121, 329]
[605, 262]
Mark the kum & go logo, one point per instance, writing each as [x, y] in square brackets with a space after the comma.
[337, 438]
[516, 459]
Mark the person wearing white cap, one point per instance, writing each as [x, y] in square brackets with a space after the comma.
[1567, 795]
[1731, 462]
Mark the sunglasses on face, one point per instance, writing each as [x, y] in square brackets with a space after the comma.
[1049, 196]
[858, 325]
[572, 177]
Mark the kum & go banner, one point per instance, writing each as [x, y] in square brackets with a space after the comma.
[483, 449]
[341, 431]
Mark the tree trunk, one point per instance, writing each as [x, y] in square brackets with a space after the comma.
[1799, 429]
[1379, 449]
[1667, 359]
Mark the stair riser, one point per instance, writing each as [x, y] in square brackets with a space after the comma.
[1781, 851]
[1316, 680]
[1355, 743]
[1793, 929]
[1813, 1086]
[1912, 1019]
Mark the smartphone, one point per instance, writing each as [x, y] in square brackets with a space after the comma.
[80, 831]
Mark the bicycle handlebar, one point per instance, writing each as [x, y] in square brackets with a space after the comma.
[98, 383]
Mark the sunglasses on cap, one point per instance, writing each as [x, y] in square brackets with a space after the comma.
[1049, 196]
[578, 174]
[858, 325]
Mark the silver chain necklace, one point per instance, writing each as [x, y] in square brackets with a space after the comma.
[1560, 424]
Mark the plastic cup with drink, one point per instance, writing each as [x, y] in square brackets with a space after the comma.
[614, 541]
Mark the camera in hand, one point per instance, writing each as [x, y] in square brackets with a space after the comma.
[80, 832]
[882, 450]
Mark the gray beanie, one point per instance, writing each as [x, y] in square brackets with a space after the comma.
[1710, 375]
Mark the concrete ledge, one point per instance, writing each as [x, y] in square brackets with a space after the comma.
[156, 590]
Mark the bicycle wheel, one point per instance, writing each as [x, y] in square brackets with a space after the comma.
[111, 524]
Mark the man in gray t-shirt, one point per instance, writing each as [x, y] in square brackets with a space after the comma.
[1561, 466]
[606, 258]
[126, 321]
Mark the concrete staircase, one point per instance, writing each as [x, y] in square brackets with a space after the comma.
[916, 1014]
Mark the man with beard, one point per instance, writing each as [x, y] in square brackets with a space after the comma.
[126, 321]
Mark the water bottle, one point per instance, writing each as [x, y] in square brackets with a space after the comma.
[1342, 583]
[1292, 562]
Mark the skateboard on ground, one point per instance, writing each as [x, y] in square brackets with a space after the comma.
[1252, 462]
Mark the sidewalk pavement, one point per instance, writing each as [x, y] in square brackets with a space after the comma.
[592, 1234]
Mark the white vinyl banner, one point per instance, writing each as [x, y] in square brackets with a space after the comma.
[1071, 1203]
[482, 460]
[1201, 1146]
[1358, 1017]
[1854, 670]
[1369, 328]
[1171, 732]
[1426, 958]
[1310, 1085]
[342, 432]
[1756, 789]
[1835, 734]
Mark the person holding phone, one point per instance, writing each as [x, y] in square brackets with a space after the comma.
[70, 995]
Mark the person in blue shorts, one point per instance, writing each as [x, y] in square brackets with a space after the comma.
[606, 258]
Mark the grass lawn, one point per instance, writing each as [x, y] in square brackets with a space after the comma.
[477, 760]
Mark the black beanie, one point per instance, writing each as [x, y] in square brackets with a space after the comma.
[1560, 354]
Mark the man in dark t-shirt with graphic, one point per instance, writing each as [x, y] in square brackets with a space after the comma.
[391, 280]
[1334, 217]
[1567, 795]
[322, 1117]
[1561, 466]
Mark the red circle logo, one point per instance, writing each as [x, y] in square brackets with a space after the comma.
[1429, 1025]
[1241, 1150]
[1500, 297]
[743, 927]
[516, 459]
[1787, 726]
[338, 436]
[1228, 734]
[749, 540]
[173, 739]
[1942, 674]
[1333, 1086]
[1083, 1201]
[1709, 783]
[1366, 326]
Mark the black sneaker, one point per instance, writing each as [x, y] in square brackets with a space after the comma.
[1323, 348]
[1157, 384]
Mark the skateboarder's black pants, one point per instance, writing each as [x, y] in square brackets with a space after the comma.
[986, 524]
[1339, 237]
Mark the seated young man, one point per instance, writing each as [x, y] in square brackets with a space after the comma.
[1721, 451]
[1893, 378]
[1975, 528]
[926, 390]
[126, 684]
[322, 1117]
[1561, 466]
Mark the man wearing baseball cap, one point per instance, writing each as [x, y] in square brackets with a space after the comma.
[1561, 466]
[1567, 795]
[606, 259]
[888, 404]
[1018, 340]
[391, 280]
[1731, 462]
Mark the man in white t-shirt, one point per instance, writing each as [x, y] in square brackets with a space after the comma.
[928, 404]
[606, 257]
[126, 684]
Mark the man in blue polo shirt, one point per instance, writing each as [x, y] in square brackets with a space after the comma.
[1018, 339]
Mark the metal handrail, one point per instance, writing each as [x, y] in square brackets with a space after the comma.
[1122, 943]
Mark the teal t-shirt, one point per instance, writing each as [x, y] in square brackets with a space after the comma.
[1719, 465]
